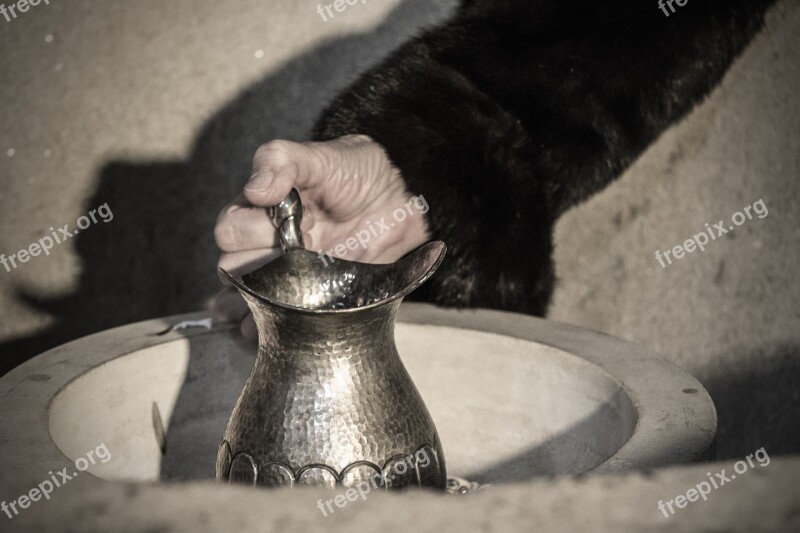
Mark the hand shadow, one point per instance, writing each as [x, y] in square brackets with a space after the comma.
[157, 256]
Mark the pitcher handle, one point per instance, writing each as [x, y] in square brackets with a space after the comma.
[287, 217]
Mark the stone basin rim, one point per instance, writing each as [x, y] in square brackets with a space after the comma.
[631, 366]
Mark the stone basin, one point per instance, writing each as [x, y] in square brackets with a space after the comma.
[514, 398]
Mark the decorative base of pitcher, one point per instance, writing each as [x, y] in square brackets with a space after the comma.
[422, 468]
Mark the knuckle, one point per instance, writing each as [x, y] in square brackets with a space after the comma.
[276, 153]
[324, 157]
[358, 138]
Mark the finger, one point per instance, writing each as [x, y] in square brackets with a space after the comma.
[229, 306]
[249, 330]
[242, 228]
[309, 220]
[240, 263]
[309, 241]
[280, 165]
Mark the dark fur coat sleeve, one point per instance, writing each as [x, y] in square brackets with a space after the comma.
[516, 110]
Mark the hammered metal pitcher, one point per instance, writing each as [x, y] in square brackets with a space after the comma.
[329, 401]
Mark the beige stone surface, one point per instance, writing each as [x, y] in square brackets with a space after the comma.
[731, 314]
[761, 500]
[156, 107]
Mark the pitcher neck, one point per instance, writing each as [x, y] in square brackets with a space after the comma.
[289, 334]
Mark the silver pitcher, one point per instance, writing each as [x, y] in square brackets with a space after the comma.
[328, 401]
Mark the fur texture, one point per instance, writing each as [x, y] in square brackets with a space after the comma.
[516, 110]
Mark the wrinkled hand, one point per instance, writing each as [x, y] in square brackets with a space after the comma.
[346, 186]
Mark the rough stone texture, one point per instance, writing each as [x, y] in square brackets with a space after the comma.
[729, 315]
[763, 499]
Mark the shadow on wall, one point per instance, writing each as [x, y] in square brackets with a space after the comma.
[158, 256]
[758, 402]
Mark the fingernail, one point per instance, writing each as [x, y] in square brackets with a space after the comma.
[259, 181]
